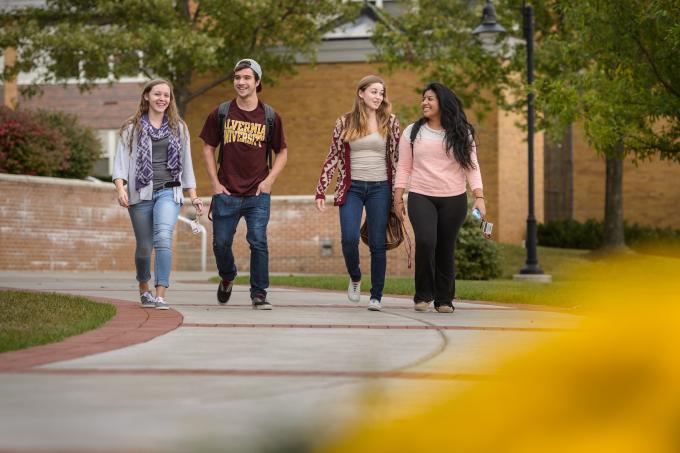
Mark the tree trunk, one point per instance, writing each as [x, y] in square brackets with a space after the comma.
[613, 205]
[181, 98]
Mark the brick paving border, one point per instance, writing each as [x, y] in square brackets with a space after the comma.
[374, 327]
[393, 374]
[130, 325]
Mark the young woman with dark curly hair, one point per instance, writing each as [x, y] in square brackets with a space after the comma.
[437, 156]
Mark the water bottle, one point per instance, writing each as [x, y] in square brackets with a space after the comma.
[476, 214]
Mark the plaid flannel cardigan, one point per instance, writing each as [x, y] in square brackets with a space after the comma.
[338, 157]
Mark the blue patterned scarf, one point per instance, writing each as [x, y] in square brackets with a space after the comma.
[144, 173]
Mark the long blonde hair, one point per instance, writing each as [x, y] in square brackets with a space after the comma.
[356, 121]
[174, 121]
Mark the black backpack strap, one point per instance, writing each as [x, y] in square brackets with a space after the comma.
[222, 113]
[414, 132]
[269, 115]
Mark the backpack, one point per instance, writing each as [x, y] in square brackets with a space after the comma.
[414, 132]
[269, 115]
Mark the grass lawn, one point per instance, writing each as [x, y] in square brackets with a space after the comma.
[507, 291]
[31, 319]
[557, 262]
[553, 261]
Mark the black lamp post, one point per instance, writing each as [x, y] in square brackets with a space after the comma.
[487, 32]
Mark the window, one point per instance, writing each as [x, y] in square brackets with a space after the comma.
[109, 139]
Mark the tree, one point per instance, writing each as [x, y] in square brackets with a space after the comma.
[90, 40]
[611, 64]
[619, 75]
[434, 37]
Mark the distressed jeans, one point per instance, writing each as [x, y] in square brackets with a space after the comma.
[153, 222]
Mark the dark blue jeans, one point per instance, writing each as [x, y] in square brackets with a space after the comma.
[227, 210]
[376, 197]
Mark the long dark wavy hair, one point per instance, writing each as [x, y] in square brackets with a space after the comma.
[460, 134]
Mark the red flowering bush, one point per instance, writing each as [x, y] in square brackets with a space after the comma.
[29, 146]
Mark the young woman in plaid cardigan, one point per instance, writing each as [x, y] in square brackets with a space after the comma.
[364, 150]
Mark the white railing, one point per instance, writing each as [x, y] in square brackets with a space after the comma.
[204, 241]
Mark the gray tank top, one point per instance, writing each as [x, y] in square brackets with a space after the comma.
[161, 174]
[367, 158]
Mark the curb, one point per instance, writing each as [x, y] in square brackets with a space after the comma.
[129, 326]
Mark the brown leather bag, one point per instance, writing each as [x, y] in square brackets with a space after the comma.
[395, 234]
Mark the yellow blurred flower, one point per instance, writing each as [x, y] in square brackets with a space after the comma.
[613, 385]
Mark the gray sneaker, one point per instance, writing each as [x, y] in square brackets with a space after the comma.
[147, 300]
[260, 303]
[161, 304]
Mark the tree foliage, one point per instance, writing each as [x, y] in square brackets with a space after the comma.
[612, 64]
[90, 40]
[434, 37]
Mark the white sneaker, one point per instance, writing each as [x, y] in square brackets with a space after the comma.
[354, 291]
[161, 304]
[374, 305]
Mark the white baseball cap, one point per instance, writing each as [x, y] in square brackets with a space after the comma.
[252, 64]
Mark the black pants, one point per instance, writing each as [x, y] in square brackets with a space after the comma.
[436, 222]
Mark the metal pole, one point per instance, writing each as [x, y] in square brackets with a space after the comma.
[531, 265]
[204, 241]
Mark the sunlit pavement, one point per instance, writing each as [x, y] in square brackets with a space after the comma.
[237, 379]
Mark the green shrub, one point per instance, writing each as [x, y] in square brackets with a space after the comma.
[571, 234]
[476, 258]
[81, 141]
[29, 146]
[588, 235]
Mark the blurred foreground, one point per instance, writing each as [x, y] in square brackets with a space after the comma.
[611, 386]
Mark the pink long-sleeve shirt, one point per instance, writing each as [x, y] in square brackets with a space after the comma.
[428, 170]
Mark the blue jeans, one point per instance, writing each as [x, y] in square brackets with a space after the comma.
[154, 222]
[227, 210]
[377, 197]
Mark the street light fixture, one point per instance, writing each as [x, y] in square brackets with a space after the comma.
[487, 32]
[489, 28]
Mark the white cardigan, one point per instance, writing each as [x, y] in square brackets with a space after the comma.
[125, 167]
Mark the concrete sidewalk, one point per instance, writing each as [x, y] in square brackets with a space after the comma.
[235, 379]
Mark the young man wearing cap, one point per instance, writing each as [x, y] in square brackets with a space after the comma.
[242, 186]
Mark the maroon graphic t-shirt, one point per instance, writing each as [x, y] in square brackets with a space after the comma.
[244, 162]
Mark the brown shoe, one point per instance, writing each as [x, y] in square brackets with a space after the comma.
[444, 308]
[421, 306]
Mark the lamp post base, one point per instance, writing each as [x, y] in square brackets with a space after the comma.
[537, 278]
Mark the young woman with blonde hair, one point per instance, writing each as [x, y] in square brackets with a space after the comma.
[151, 168]
[364, 150]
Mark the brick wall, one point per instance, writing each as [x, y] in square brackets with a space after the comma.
[513, 178]
[651, 192]
[58, 224]
[296, 233]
